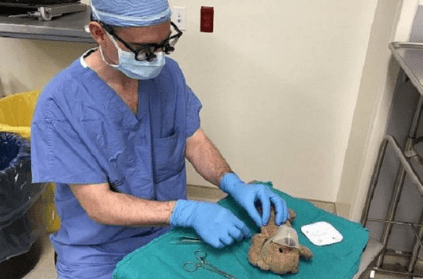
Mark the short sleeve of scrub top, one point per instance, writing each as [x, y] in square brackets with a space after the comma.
[58, 153]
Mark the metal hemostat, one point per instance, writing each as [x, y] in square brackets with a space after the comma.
[201, 257]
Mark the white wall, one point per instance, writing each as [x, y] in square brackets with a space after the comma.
[408, 12]
[279, 83]
[27, 64]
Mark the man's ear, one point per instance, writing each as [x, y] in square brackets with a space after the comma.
[97, 32]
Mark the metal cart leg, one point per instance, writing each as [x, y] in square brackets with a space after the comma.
[391, 213]
[400, 182]
[407, 168]
[375, 176]
[373, 183]
[417, 246]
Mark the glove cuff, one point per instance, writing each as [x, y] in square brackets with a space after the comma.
[228, 182]
[180, 213]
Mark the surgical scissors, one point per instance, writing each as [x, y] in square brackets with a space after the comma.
[201, 256]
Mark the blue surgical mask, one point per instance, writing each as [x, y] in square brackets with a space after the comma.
[136, 69]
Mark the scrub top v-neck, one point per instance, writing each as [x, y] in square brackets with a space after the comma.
[84, 133]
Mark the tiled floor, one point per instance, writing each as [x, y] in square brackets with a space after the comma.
[44, 268]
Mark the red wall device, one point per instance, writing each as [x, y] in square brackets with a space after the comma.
[207, 14]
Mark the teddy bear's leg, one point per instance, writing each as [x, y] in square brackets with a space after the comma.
[255, 254]
[305, 252]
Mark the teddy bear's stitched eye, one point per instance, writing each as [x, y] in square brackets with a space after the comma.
[280, 250]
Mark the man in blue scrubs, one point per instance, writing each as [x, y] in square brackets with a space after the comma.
[112, 131]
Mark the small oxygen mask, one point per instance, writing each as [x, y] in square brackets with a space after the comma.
[286, 236]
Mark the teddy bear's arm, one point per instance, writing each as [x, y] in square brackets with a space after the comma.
[305, 252]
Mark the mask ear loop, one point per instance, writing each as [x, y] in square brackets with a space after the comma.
[104, 59]
[114, 42]
[102, 55]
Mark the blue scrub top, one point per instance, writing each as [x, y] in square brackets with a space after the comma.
[84, 133]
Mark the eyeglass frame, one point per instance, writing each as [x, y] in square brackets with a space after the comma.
[149, 55]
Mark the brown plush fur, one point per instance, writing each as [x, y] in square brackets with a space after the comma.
[280, 259]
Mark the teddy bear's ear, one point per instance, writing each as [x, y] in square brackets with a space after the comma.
[305, 252]
[291, 215]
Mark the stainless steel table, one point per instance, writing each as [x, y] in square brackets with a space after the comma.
[410, 58]
[69, 27]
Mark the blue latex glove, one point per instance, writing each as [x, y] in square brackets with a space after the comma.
[248, 194]
[215, 224]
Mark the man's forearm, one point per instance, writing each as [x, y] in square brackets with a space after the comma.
[206, 158]
[119, 209]
[127, 210]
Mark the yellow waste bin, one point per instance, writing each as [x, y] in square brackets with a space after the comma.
[16, 113]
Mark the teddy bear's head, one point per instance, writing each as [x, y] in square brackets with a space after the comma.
[270, 255]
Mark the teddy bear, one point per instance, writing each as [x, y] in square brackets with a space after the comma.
[270, 255]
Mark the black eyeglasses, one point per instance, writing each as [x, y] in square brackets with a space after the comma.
[146, 52]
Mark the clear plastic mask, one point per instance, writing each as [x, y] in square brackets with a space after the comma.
[286, 236]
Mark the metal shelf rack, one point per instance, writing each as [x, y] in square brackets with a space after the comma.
[409, 57]
[68, 27]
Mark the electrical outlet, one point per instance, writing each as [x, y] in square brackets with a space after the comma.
[178, 17]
